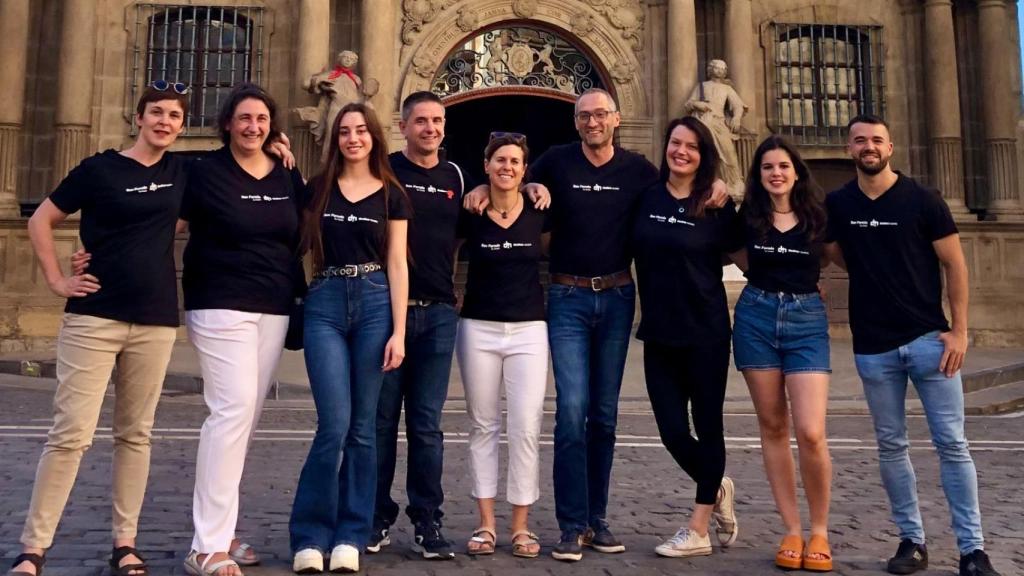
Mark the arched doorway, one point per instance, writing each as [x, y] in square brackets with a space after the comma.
[544, 121]
[512, 77]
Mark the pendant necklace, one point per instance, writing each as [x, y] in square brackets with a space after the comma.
[680, 202]
[504, 213]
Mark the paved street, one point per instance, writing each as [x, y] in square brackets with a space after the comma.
[650, 496]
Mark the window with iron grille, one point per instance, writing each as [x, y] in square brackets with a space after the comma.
[209, 48]
[824, 75]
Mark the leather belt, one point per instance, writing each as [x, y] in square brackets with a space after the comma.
[348, 271]
[596, 283]
[420, 303]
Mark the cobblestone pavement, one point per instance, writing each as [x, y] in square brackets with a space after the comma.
[650, 496]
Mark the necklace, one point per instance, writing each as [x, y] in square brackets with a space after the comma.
[681, 202]
[504, 213]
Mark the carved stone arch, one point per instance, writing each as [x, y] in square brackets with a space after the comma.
[610, 37]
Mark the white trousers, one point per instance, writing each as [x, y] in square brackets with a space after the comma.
[515, 354]
[238, 356]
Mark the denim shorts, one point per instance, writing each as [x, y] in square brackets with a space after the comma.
[782, 331]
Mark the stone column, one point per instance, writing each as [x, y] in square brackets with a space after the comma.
[942, 93]
[998, 109]
[73, 116]
[14, 22]
[313, 46]
[379, 53]
[681, 45]
[741, 57]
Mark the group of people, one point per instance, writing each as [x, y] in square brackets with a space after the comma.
[380, 326]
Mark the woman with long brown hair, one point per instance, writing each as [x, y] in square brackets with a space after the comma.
[678, 244]
[781, 341]
[355, 225]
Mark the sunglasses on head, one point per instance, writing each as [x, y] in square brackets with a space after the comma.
[164, 85]
[515, 137]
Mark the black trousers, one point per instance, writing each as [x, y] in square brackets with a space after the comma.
[691, 377]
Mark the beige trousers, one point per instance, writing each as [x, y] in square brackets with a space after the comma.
[88, 348]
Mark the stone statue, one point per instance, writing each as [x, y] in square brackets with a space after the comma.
[715, 103]
[336, 86]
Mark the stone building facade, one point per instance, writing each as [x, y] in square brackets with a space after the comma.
[945, 73]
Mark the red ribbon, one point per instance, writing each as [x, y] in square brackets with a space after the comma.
[339, 70]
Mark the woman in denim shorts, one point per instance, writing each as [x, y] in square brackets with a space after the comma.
[781, 343]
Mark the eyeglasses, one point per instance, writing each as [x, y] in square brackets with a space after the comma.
[164, 85]
[599, 115]
[515, 137]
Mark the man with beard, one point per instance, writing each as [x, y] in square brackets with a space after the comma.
[896, 239]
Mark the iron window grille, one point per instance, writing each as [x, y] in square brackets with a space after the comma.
[209, 48]
[824, 75]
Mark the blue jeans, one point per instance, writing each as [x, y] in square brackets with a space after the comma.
[347, 324]
[885, 387]
[422, 382]
[589, 335]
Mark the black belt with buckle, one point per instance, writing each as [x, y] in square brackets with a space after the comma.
[595, 283]
[348, 271]
[420, 303]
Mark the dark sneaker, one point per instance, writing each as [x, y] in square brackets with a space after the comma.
[378, 539]
[976, 564]
[602, 539]
[569, 547]
[909, 558]
[429, 542]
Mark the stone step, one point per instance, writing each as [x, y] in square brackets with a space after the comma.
[995, 399]
[996, 376]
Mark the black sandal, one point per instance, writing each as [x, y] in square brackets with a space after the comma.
[118, 554]
[36, 559]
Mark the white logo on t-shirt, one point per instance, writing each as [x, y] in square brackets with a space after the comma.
[670, 220]
[263, 198]
[349, 218]
[506, 245]
[594, 187]
[152, 187]
[872, 223]
[778, 250]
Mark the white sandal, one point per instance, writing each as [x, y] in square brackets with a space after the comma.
[195, 568]
[242, 557]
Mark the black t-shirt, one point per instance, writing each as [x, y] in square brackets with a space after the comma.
[503, 283]
[243, 236]
[782, 261]
[679, 268]
[436, 196]
[895, 279]
[355, 232]
[591, 207]
[128, 216]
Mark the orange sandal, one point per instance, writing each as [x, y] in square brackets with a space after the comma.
[790, 543]
[818, 544]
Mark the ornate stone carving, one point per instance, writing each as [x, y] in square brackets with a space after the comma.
[623, 71]
[626, 16]
[582, 23]
[519, 59]
[416, 13]
[468, 19]
[715, 103]
[336, 86]
[524, 8]
[424, 66]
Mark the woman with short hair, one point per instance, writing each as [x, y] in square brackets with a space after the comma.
[502, 341]
[123, 313]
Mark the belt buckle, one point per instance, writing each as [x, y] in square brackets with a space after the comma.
[597, 284]
[351, 270]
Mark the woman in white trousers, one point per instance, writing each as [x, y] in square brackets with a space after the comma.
[502, 342]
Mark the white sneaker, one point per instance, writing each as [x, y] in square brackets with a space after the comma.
[727, 528]
[308, 561]
[686, 542]
[345, 558]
